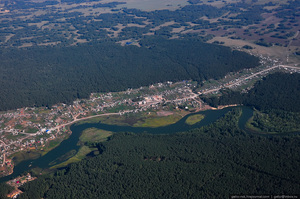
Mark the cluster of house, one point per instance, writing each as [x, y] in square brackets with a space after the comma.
[17, 182]
[30, 128]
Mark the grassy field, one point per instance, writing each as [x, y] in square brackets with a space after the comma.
[141, 119]
[64, 157]
[83, 151]
[158, 121]
[94, 135]
[112, 120]
[51, 145]
[24, 155]
[194, 119]
[271, 51]
[124, 120]
[149, 5]
[91, 120]
[47, 111]
[31, 130]
[88, 135]
[10, 136]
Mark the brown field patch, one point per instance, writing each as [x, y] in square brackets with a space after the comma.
[178, 30]
[164, 113]
[274, 51]
[163, 25]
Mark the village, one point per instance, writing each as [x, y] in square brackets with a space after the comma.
[32, 128]
[17, 182]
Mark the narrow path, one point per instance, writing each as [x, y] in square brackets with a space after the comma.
[84, 118]
[288, 46]
[186, 98]
[3, 143]
[240, 81]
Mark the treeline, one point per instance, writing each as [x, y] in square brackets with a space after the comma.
[212, 162]
[43, 76]
[276, 91]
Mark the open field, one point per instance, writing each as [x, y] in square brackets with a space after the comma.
[143, 119]
[158, 121]
[51, 145]
[24, 155]
[83, 151]
[64, 157]
[273, 52]
[193, 119]
[273, 23]
[149, 5]
[113, 120]
[94, 135]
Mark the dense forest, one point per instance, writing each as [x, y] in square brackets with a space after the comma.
[212, 162]
[279, 91]
[274, 120]
[4, 190]
[43, 76]
[275, 98]
[83, 56]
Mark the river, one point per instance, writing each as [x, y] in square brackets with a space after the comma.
[71, 143]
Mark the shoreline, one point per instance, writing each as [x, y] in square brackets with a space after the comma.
[69, 124]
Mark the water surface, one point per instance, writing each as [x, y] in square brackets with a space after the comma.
[71, 143]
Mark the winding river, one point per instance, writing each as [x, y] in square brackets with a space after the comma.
[71, 143]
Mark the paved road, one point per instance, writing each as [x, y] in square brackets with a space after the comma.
[251, 76]
[241, 80]
[106, 114]
[72, 122]
[155, 102]
[291, 67]
[288, 47]
[3, 142]
[84, 118]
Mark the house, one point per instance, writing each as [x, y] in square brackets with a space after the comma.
[14, 194]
